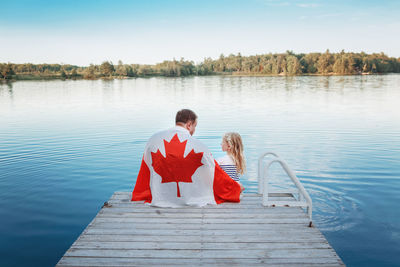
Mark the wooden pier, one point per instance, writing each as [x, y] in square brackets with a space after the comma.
[126, 233]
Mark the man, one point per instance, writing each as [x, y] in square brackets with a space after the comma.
[179, 170]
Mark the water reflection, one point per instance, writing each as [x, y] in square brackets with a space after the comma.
[7, 85]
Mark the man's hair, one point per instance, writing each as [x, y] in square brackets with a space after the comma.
[185, 115]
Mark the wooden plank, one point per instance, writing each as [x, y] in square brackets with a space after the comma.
[112, 261]
[119, 198]
[198, 238]
[246, 195]
[130, 194]
[199, 253]
[244, 226]
[283, 203]
[273, 227]
[243, 205]
[202, 215]
[284, 193]
[207, 220]
[243, 202]
[249, 210]
[124, 199]
[218, 232]
[199, 245]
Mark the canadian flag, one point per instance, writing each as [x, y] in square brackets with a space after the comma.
[178, 170]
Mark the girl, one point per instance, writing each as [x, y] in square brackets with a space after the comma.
[233, 162]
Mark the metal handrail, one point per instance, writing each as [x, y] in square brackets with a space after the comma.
[290, 173]
[260, 175]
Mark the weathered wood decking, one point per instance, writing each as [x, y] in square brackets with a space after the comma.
[130, 234]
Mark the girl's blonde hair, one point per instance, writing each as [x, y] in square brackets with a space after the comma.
[234, 140]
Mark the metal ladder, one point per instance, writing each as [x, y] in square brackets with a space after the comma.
[303, 200]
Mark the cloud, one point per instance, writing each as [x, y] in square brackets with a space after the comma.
[276, 3]
[329, 15]
[308, 5]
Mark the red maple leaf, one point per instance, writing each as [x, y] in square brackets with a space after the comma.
[174, 167]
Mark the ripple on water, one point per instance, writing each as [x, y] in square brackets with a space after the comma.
[333, 209]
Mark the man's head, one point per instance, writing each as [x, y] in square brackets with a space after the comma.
[187, 119]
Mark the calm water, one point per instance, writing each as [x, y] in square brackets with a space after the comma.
[66, 146]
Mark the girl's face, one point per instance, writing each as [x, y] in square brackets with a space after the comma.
[225, 146]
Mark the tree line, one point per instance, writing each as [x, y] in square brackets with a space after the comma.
[289, 63]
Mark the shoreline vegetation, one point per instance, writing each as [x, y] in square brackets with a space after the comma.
[283, 64]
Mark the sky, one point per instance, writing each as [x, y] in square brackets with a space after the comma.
[148, 32]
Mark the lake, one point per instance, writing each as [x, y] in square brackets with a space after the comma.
[66, 146]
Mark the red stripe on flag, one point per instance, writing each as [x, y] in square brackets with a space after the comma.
[142, 188]
[225, 189]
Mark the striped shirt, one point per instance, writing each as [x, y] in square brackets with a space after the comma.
[228, 165]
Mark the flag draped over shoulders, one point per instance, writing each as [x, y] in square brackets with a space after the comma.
[178, 170]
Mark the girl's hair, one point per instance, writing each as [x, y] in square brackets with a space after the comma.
[235, 142]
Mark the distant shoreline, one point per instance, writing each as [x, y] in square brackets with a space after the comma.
[283, 64]
[52, 78]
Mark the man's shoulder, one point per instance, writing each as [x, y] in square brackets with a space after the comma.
[198, 144]
[159, 134]
[182, 134]
[169, 134]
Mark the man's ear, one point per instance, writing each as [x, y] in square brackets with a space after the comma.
[188, 125]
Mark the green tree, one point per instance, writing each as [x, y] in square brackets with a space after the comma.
[247, 64]
[324, 64]
[129, 71]
[74, 74]
[344, 64]
[6, 71]
[121, 69]
[293, 65]
[90, 72]
[107, 69]
[63, 74]
[144, 70]
[374, 68]
[220, 66]
[281, 66]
